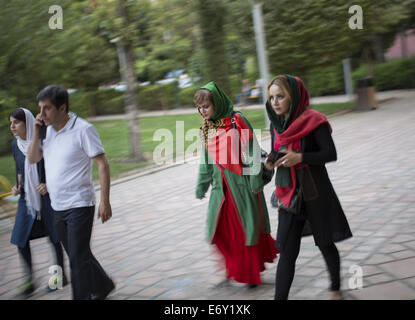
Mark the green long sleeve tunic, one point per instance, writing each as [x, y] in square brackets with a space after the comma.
[250, 207]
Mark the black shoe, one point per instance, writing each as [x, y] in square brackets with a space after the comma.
[252, 286]
[105, 293]
[223, 283]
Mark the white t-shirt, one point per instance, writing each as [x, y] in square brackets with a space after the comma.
[68, 157]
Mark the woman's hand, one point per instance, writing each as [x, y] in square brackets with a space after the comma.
[42, 189]
[290, 159]
[16, 190]
[268, 164]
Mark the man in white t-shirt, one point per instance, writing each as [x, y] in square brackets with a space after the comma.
[70, 147]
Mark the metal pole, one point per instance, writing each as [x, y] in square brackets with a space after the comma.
[347, 71]
[261, 53]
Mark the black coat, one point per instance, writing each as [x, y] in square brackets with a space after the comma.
[325, 218]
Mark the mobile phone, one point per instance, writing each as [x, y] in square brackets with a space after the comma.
[42, 131]
[274, 156]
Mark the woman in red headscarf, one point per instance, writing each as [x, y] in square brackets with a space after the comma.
[304, 136]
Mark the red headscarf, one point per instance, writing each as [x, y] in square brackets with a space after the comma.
[300, 123]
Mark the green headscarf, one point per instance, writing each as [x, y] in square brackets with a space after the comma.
[223, 109]
[223, 105]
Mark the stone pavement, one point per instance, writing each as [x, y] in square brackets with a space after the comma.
[154, 246]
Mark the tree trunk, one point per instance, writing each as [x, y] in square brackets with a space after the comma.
[404, 48]
[368, 59]
[126, 59]
[212, 25]
[377, 45]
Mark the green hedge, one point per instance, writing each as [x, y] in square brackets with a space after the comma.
[326, 81]
[158, 97]
[105, 102]
[80, 103]
[391, 75]
[186, 96]
[394, 74]
[151, 97]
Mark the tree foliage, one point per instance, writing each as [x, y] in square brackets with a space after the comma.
[32, 55]
[304, 35]
[213, 40]
[211, 15]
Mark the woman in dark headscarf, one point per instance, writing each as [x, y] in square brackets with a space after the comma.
[237, 222]
[304, 135]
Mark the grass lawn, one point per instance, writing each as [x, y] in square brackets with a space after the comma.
[330, 108]
[7, 169]
[114, 136]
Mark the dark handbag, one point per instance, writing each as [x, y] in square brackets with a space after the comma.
[38, 230]
[296, 204]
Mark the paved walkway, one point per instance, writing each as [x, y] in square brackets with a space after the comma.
[154, 245]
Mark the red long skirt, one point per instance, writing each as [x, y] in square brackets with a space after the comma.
[243, 263]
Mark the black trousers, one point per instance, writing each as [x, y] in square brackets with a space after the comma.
[74, 227]
[288, 257]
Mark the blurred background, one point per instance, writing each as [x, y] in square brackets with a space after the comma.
[119, 56]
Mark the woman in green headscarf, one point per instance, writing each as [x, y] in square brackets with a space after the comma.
[237, 222]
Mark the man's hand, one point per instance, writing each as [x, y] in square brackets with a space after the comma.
[35, 153]
[104, 211]
[37, 124]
